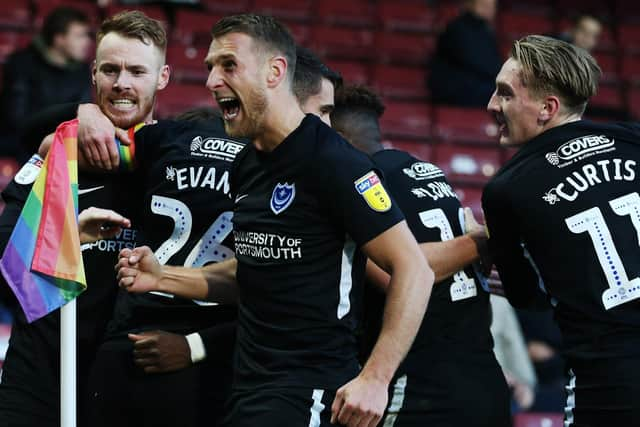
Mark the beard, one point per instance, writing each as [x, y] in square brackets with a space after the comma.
[252, 122]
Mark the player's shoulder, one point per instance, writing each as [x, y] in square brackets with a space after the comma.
[398, 161]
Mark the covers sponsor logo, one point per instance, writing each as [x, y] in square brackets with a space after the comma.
[29, 171]
[579, 149]
[423, 170]
[215, 148]
[282, 197]
[373, 192]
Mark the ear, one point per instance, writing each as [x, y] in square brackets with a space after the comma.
[163, 77]
[550, 107]
[94, 70]
[277, 71]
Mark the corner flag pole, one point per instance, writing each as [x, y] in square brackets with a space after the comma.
[68, 364]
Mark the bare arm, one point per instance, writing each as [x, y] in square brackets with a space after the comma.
[139, 272]
[408, 294]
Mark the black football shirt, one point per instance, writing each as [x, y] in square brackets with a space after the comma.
[458, 314]
[564, 216]
[184, 214]
[34, 349]
[301, 213]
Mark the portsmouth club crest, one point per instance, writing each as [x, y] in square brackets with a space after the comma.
[282, 197]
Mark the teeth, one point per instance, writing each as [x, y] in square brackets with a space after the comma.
[122, 102]
[226, 99]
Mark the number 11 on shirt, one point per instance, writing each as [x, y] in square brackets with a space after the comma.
[621, 288]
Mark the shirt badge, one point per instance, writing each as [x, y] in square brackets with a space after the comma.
[371, 189]
[282, 197]
[30, 171]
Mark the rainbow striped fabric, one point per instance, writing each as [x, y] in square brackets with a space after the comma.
[42, 262]
[128, 152]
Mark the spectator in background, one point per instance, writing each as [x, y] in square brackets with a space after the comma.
[467, 57]
[52, 70]
[585, 32]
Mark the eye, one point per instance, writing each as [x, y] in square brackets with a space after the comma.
[229, 65]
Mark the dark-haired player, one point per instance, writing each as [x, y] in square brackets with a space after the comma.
[305, 204]
[315, 84]
[564, 214]
[450, 376]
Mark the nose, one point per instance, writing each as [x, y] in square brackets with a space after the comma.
[492, 106]
[123, 81]
[214, 81]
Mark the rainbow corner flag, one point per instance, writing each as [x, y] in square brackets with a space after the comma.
[42, 262]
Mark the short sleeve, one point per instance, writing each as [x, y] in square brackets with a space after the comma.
[355, 194]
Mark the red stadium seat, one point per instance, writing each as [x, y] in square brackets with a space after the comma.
[608, 63]
[629, 36]
[465, 125]
[15, 14]
[406, 16]
[345, 43]
[447, 11]
[467, 164]
[300, 32]
[194, 28]
[419, 149]
[177, 98]
[288, 10]
[11, 41]
[513, 25]
[226, 7]
[357, 13]
[44, 7]
[187, 63]
[631, 68]
[633, 103]
[401, 48]
[408, 120]
[401, 83]
[537, 420]
[609, 96]
[352, 72]
[155, 12]
[471, 197]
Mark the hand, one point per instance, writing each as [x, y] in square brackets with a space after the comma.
[522, 393]
[96, 137]
[361, 402]
[159, 351]
[138, 270]
[478, 233]
[96, 224]
[540, 351]
[495, 283]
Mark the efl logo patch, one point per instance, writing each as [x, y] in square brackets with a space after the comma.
[282, 197]
[370, 187]
[30, 170]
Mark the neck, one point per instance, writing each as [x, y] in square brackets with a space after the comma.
[282, 117]
[560, 120]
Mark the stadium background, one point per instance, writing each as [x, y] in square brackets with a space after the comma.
[385, 44]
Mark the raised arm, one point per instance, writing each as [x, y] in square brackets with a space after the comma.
[139, 271]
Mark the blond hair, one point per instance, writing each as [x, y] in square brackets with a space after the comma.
[554, 67]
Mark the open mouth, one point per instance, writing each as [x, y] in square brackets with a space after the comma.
[230, 107]
[123, 104]
[502, 124]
